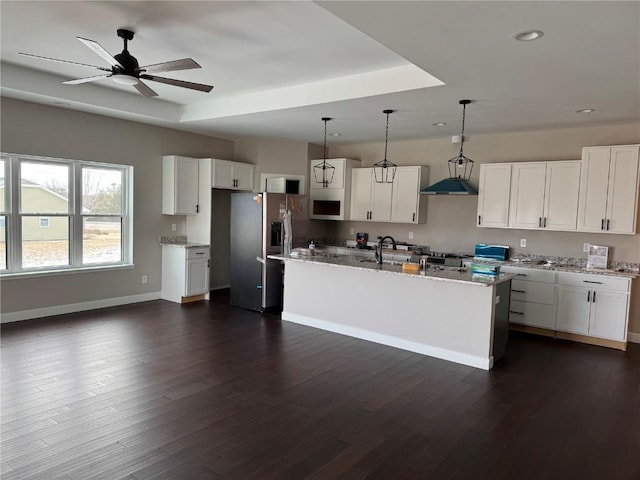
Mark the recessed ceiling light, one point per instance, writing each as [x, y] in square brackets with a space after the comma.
[335, 134]
[439, 124]
[528, 35]
[585, 110]
[62, 104]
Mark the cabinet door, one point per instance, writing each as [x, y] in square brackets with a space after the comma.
[526, 206]
[381, 201]
[186, 186]
[562, 190]
[622, 197]
[574, 304]
[244, 174]
[405, 197]
[222, 174]
[493, 195]
[592, 207]
[361, 193]
[338, 173]
[608, 315]
[197, 277]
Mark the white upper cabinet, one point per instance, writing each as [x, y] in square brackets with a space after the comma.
[609, 189]
[370, 201]
[232, 175]
[493, 195]
[544, 195]
[332, 202]
[179, 185]
[407, 205]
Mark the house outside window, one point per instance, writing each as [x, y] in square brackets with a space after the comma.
[64, 214]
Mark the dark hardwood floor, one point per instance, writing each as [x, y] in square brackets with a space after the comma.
[206, 391]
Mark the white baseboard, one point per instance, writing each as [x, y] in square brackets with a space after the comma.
[633, 337]
[76, 307]
[444, 354]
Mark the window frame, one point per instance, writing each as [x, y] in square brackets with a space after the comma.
[14, 217]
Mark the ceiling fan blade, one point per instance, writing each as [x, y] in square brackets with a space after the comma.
[63, 61]
[182, 64]
[179, 83]
[101, 52]
[87, 79]
[145, 90]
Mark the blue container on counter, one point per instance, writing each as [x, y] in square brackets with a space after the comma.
[491, 252]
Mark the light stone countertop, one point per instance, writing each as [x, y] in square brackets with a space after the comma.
[555, 267]
[184, 244]
[447, 274]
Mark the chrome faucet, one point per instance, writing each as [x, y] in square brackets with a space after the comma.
[379, 247]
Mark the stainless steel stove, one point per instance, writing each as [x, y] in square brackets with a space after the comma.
[445, 259]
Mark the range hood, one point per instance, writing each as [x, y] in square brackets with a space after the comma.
[450, 186]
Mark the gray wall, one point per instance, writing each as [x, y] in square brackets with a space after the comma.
[35, 129]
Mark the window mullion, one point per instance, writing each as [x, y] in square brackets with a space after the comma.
[14, 220]
[76, 220]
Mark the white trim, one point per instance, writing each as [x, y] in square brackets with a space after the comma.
[76, 307]
[444, 354]
[633, 337]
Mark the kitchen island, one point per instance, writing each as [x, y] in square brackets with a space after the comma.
[443, 313]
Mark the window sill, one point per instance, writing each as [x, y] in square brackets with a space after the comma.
[64, 271]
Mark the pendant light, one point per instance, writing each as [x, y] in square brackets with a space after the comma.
[385, 171]
[460, 168]
[323, 172]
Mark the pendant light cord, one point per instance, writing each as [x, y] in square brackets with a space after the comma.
[324, 147]
[464, 110]
[386, 138]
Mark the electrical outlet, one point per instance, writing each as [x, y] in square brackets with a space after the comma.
[585, 247]
[174, 227]
[410, 235]
[144, 279]
[523, 242]
[352, 231]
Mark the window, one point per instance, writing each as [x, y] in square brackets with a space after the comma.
[63, 214]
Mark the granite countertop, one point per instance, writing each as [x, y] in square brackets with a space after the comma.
[179, 241]
[446, 274]
[626, 272]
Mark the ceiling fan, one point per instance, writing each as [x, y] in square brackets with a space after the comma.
[126, 71]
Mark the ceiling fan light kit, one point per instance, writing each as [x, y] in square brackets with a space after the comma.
[125, 68]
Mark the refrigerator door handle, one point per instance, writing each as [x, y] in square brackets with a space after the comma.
[260, 260]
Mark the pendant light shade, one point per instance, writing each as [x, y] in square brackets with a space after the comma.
[460, 168]
[385, 171]
[323, 172]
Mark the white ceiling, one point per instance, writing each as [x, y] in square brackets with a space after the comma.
[278, 67]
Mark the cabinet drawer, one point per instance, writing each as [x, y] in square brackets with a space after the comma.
[600, 282]
[198, 252]
[532, 274]
[533, 314]
[536, 292]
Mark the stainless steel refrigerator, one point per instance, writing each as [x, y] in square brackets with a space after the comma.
[257, 230]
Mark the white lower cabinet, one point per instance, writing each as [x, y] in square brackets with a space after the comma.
[185, 272]
[591, 305]
[532, 297]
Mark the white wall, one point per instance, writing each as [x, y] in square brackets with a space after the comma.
[36, 129]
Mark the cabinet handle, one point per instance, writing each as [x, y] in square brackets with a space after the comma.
[479, 219]
[209, 263]
[602, 224]
[197, 208]
[414, 217]
[521, 275]
[607, 224]
[539, 222]
[517, 313]
[544, 222]
[518, 291]
[199, 253]
[594, 296]
[591, 281]
[588, 296]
